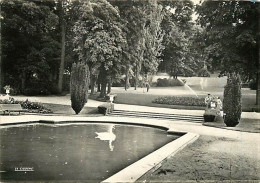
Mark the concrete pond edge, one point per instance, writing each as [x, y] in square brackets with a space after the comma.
[136, 170]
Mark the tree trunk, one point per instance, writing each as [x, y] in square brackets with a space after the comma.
[1, 65]
[127, 84]
[257, 89]
[136, 76]
[23, 81]
[103, 81]
[109, 86]
[99, 83]
[62, 61]
[99, 87]
[92, 83]
[103, 88]
[258, 71]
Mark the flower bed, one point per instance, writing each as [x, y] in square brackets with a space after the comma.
[187, 101]
[31, 106]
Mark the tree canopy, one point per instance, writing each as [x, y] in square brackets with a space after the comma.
[98, 39]
[124, 39]
[231, 35]
[29, 44]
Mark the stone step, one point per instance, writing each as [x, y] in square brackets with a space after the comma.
[175, 117]
[155, 114]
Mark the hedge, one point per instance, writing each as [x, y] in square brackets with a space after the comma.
[169, 82]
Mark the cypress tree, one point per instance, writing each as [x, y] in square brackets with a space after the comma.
[79, 84]
[232, 106]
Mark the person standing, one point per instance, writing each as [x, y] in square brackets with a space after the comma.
[208, 100]
[219, 106]
[147, 86]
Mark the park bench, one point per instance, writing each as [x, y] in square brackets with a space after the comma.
[106, 108]
[11, 108]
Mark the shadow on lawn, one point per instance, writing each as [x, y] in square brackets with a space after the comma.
[245, 125]
[67, 110]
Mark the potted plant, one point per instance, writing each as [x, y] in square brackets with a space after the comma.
[7, 89]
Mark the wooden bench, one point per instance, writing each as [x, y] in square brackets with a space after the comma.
[11, 108]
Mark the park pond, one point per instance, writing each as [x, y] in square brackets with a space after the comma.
[74, 151]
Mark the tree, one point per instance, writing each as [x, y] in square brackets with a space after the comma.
[231, 32]
[180, 14]
[198, 50]
[174, 53]
[133, 20]
[178, 57]
[99, 39]
[153, 37]
[63, 35]
[142, 27]
[28, 31]
[66, 11]
[79, 86]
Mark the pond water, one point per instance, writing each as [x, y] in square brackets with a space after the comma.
[90, 152]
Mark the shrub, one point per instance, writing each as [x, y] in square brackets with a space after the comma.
[232, 106]
[169, 82]
[79, 86]
[39, 107]
[188, 101]
[162, 82]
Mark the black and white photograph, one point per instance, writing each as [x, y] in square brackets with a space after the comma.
[106, 91]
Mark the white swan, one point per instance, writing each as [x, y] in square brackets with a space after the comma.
[107, 136]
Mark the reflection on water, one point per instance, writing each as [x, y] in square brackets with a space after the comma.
[107, 136]
[90, 152]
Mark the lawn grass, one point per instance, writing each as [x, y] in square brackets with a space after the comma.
[146, 99]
